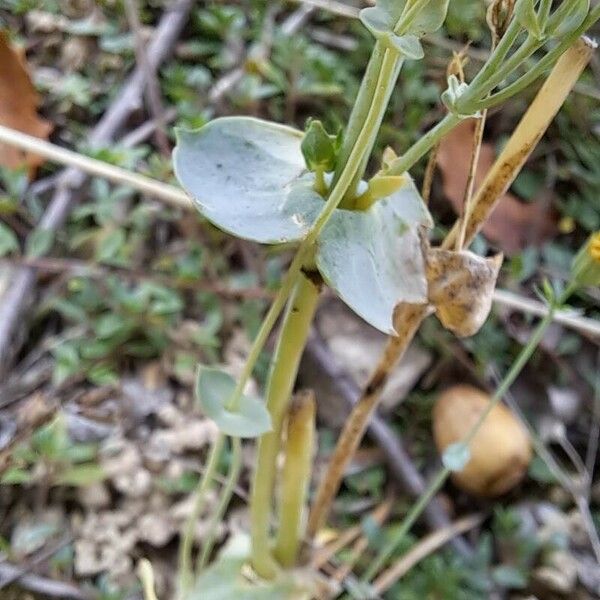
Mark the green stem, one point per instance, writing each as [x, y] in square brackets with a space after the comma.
[360, 149]
[495, 60]
[226, 494]
[390, 70]
[295, 478]
[287, 285]
[185, 549]
[534, 73]
[409, 14]
[294, 332]
[386, 552]
[360, 109]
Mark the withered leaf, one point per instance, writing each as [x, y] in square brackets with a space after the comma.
[460, 288]
[18, 106]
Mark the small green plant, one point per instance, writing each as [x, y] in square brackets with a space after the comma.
[50, 458]
[367, 240]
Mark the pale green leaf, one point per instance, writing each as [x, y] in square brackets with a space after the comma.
[373, 258]
[248, 177]
[16, 476]
[409, 45]
[456, 456]
[214, 388]
[382, 19]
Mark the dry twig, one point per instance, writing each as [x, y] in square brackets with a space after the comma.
[153, 96]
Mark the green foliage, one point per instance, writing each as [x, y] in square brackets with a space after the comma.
[118, 321]
[50, 455]
[39, 242]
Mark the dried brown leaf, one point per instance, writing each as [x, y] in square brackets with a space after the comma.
[19, 102]
[461, 285]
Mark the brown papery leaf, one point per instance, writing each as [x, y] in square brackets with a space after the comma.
[18, 106]
[460, 287]
[514, 224]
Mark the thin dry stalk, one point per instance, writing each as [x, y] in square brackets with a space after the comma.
[167, 193]
[408, 319]
[429, 174]
[468, 197]
[358, 420]
[428, 545]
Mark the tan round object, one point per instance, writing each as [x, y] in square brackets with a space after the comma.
[501, 450]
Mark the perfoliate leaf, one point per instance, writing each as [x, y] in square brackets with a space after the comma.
[213, 391]
[373, 258]
[456, 456]
[461, 286]
[377, 20]
[408, 45]
[248, 177]
[382, 19]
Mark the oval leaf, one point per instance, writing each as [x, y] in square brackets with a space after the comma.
[248, 177]
[373, 259]
[213, 389]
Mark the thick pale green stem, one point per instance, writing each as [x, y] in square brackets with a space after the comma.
[295, 478]
[226, 493]
[292, 339]
[360, 149]
[390, 84]
[439, 480]
[185, 548]
[361, 108]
